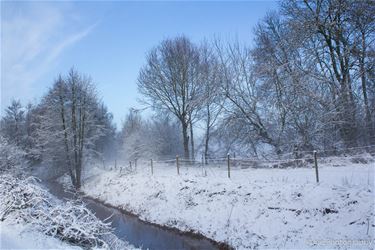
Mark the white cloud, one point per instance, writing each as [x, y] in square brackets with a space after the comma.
[33, 37]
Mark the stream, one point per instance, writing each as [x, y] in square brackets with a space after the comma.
[130, 228]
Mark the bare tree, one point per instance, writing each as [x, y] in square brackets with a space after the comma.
[245, 100]
[211, 78]
[170, 81]
[361, 16]
[285, 81]
[328, 25]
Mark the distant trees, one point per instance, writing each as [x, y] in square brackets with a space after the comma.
[135, 137]
[13, 123]
[156, 138]
[12, 157]
[105, 146]
[18, 128]
[165, 135]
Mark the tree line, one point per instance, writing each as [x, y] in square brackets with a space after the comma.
[306, 82]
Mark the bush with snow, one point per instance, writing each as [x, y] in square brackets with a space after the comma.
[22, 200]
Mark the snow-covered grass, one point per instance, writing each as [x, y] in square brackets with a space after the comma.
[255, 208]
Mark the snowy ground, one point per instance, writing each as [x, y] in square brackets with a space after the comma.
[265, 208]
[32, 218]
[21, 236]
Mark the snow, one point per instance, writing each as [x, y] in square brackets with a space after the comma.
[29, 216]
[267, 208]
[21, 236]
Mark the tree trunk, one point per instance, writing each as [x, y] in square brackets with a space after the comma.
[68, 159]
[192, 140]
[75, 138]
[368, 129]
[348, 127]
[207, 135]
[206, 146]
[185, 138]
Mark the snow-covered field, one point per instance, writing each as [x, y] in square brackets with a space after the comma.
[255, 208]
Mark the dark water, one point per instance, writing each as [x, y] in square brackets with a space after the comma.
[136, 232]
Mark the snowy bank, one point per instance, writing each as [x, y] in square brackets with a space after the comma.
[30, 217]
[21, 236]
[256, 208]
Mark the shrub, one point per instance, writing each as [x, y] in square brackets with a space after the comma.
[24, 200]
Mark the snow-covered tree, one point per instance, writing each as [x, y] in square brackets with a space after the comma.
[13, 123]
[12, 158]
[157, 138]
[105, 145]
[165, 137]
[135, 140]
[69, 126]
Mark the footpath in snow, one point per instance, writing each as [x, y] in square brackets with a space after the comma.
[265, 208]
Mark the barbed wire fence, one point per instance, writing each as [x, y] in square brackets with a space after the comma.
[217, 166]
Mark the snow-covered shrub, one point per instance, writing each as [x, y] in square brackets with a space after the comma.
[11, 157]
[18, 195]
[24, 200]
[71, 222]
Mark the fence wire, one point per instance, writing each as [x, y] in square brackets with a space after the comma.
[219, 165]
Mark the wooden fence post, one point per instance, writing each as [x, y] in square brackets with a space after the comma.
[116, 164]
[228, 161]
[152, 168]
[130, 164]
[295, 153]
[316, 166]
[202, 163]
[177, 165]
[135, 165]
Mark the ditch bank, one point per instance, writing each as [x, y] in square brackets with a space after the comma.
[129, 227]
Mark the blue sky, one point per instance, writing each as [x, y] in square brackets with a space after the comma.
[106, 40]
